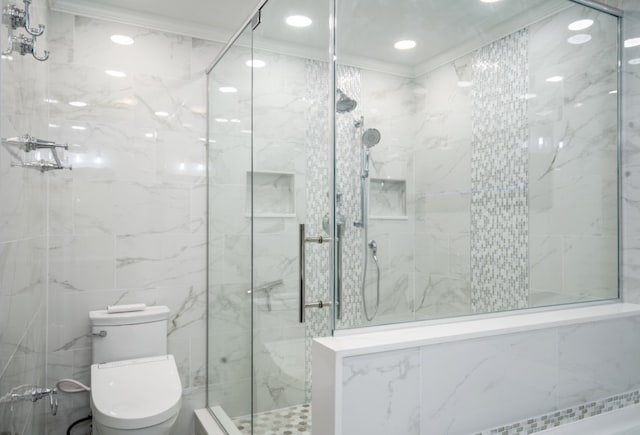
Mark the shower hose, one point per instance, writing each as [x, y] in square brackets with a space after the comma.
[374, 249]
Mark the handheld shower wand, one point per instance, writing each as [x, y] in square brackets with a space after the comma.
[370, 138]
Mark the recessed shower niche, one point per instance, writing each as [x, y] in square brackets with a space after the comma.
[388, 199]
[273, 194]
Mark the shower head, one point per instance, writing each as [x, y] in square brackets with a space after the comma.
[345, 103]
[371, 137]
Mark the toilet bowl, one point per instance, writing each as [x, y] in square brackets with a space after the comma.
[135, 397]
[135, 385]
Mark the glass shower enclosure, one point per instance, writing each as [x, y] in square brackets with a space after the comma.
[377, 162]
[268, 186]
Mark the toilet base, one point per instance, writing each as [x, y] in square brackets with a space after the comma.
[163, 428]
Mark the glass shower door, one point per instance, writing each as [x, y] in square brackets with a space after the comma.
[229, 236]
[290, 180]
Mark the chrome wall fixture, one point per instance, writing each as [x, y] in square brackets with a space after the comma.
[32, 393]
[15, 18]
[29, 143]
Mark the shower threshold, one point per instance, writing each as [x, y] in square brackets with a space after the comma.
[293, 420]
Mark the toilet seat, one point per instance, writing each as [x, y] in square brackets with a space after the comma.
[135, 393]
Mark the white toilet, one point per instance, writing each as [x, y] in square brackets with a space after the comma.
[135, 386]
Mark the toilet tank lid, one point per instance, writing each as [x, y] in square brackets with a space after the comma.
[149, 314]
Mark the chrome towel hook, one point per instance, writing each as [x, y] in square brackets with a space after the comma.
[24, 45]
[18, 18]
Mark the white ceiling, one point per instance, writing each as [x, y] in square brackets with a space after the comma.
[208, 19]
[443, 29]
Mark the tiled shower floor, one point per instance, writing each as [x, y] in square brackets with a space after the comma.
[294, 420]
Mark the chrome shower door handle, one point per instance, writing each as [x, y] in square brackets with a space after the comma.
[302, 259]
[301, 263]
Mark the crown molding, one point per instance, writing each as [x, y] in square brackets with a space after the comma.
[147, 20]
[493, 34]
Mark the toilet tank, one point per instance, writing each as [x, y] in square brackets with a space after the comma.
[136, 334]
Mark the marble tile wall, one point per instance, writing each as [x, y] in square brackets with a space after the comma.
[442, 156]
[468, 386]
[388, 105]
[229, 244]
[23, 242]
[569, 226]
[572, 164]
[630, 171]
[128, 223]
[499, 175]
[265, 250]
[281, 124]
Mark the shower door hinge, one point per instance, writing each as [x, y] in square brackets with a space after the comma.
[256, 20]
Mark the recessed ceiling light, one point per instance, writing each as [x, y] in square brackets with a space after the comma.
[405, 44]
[222, 120]
[255, 63]
[634, 61]
[236, 120]
[489, 1]
[7, 57]
[581, 38]
[245, 131]
[555, 79]
[631, 42]
[78, 127]
[298, 21]
[162, 114]
[615, 91]
[50, 101]
[114, 73]
[580, 25]
[148, 135]
[227, 89]
[77, 103]
[54, 125]
[464, 84]
[122, 39]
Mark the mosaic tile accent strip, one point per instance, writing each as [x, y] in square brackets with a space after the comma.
[317, 268]
[348, 185]
[317, 194]
[499, 176]
[294, 420]
[567, 415]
